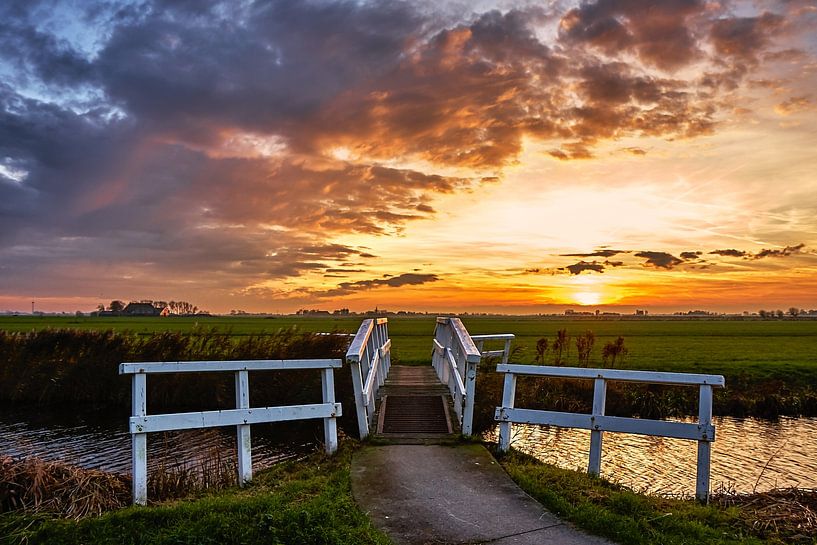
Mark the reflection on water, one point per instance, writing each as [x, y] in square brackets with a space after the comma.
[100, 441]
[740, 454]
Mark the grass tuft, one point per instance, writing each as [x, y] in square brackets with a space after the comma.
[618, 513]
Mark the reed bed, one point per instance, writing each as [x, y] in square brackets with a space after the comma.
[36, 486]
[789, 512]
[31, 485]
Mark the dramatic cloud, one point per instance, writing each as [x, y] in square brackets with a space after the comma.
[582, 266]
[234, 142]
[660, 260]
[405, 279]
[597, 253]
[731, 252]
[784, 252]
[686, 256]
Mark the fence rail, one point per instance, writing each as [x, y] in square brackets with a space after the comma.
[505, 353]
[703, 431]
[242, 416]
[369, 358]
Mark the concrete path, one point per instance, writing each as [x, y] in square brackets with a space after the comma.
[452, 494]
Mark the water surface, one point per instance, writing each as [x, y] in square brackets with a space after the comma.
[748, 454]
[99, 440]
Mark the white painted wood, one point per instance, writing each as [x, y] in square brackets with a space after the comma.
[330, 424]
[454, 372]
[139, 447]
[231, 417]
[496, 337]
[650, 377]
[470, 391]
[243, 365]
[371, 380]
[369, 357]
[637, 426]
[704, 445]
[492, 353]
[244, 442]
[599, 401]
[464, 340]
[356, 348]
[357, 390]
[505, 427]
[506, 356]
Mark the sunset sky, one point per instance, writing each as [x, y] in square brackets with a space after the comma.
[518, 157]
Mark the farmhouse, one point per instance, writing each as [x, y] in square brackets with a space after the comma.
[141, 309]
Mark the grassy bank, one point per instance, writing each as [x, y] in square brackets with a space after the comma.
[307, 502]
[609, 510]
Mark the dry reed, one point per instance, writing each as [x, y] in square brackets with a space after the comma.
[790, 512]
[35, 486]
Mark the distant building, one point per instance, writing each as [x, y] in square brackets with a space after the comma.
[141, 309]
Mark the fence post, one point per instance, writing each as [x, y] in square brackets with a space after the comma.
[470, 392]
[243, 439]
[357, 388]
[704, 447]
[599, 400]
[508, 394]
[330, 425]
[140, 445]
[388, 354]
[506, 353]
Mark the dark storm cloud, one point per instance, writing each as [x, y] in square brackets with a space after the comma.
[581, 266]
[658, 33]
[199, 136]
[730, 252]
[405, 279]
[686, 256]
[783, 252]
[744, 38]
[660, 260]
[597, 253]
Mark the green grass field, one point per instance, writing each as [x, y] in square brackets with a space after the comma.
[759, 350]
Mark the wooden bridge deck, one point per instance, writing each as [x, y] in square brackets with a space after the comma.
[414, 407]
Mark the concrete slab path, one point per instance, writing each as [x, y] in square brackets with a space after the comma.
[437, 494]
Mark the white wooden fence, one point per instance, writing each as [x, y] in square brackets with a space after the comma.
[456, 357]
[242, 416]
[369, 358]
[505, 353]
[703, 431]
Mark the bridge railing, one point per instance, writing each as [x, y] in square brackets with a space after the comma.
[703, 431]
[369, 358]
[242, 416]
[505, 353]
[455, 357]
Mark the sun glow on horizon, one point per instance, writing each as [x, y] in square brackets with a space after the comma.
[587, 298]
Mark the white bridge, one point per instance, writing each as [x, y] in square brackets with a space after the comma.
[415, 403]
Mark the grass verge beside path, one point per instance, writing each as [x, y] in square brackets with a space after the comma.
[308, 502]
[609, 510]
